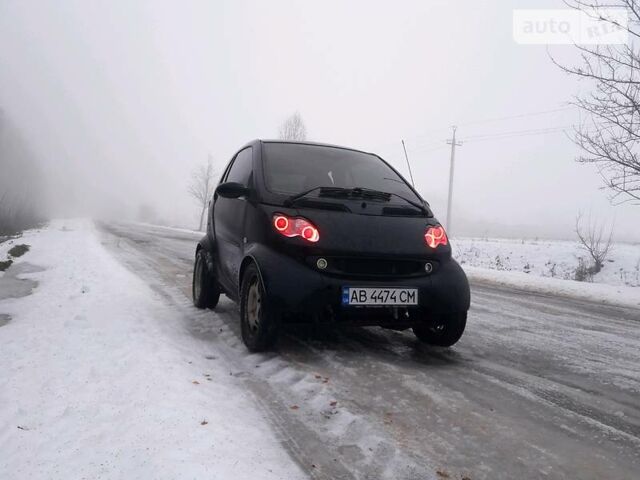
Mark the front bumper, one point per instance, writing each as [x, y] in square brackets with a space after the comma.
[301, 293]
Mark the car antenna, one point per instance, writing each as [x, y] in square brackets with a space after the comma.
[408, 164]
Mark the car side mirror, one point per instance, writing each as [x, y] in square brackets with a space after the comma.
[232, 190]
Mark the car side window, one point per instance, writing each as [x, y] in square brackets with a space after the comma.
[241, 168]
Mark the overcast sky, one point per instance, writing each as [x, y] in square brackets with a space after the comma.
[121, 99]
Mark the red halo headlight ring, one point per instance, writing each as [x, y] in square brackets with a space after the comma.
[310, 233]
[281, 223]
[435, 235]
[295, 227]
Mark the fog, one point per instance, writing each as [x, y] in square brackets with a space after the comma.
[118, 101]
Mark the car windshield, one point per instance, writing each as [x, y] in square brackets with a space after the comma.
[291, 168]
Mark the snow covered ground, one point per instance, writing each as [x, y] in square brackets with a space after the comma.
[537, 387]
[6, 244]
[548, 258]
[548, 266]
[99, 379]
[113, 374]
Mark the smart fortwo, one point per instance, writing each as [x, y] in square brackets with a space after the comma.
[310, 233]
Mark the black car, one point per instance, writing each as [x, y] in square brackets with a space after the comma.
[310, 233]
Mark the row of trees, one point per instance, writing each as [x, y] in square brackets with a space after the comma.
[21, 186]
[17, 213]
[203, 177]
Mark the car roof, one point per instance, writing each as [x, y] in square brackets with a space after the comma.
[315, 144]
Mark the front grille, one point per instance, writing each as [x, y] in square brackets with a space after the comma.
[372, 267]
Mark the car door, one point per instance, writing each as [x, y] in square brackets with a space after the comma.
[229, 218]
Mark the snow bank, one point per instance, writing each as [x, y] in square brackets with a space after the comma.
[548, 267]
[548, 258]
[592, 292]
[98, 380]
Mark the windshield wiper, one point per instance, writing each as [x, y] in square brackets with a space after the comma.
[293, 198]
[356, 192]
[379, 195]
[420, 207]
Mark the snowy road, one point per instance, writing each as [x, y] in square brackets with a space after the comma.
[538, 387]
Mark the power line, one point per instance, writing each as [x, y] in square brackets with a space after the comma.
[427, 148]
[521, 115]
[422, 150]
[427, 136]
[507, 137]
[541, 132]
[427, 142]
[503, 135]
[529, 131]
[498, 119]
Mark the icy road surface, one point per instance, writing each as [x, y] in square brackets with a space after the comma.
[538, 387]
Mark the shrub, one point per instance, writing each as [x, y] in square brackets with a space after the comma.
[18, 250]
[583, 272]
[595, 241]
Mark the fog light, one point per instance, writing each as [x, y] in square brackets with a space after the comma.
[428, 267]
[321, 263]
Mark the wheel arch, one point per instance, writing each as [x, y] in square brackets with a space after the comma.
[208, 245]
[205, 243]
[246, 261]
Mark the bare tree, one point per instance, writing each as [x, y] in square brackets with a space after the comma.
[595, 240]
[293, 128]
[610, 137]
[202, 186]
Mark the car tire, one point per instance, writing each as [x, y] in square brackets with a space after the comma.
[258, 323]
[204, 288]
[446, 331]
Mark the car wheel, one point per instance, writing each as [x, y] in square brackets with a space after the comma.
[446, 331]
[205, 289]
[258, 323]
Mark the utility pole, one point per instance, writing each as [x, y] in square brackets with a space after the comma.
[453, 144]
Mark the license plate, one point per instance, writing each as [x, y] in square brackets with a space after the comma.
[379, 296]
